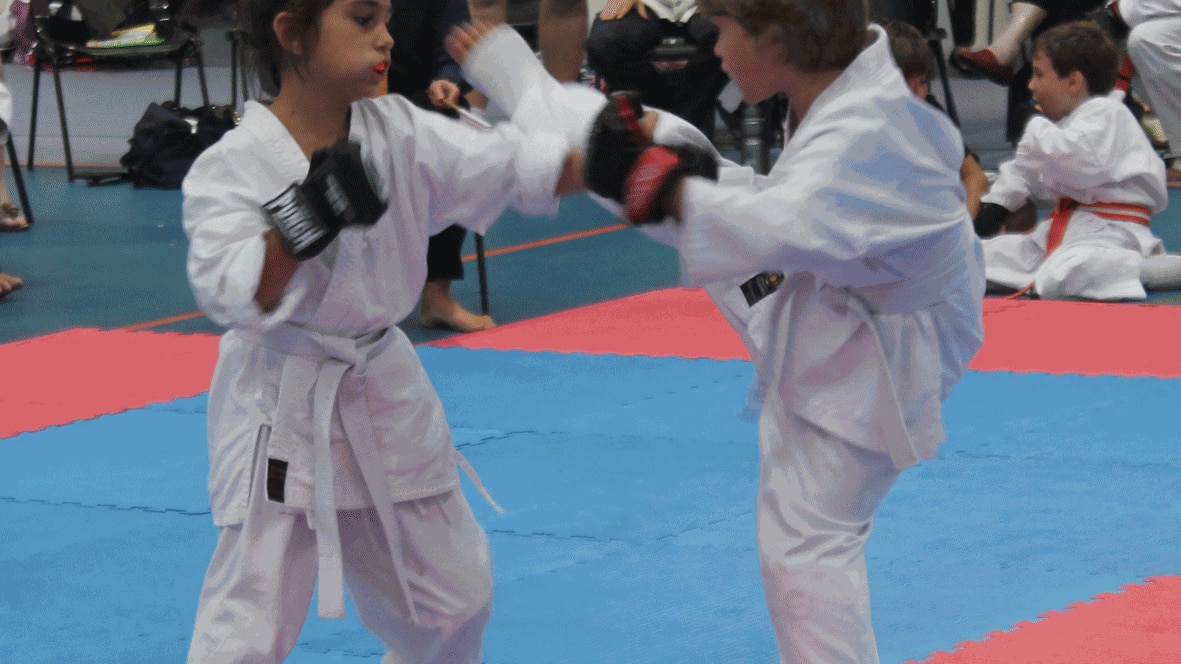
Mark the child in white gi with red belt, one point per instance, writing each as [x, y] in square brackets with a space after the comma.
[1089, 155]
[851, 270]
[330, 455]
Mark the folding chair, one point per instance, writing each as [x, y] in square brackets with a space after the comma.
[61, 43]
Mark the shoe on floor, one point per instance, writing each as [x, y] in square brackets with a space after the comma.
[981, 64]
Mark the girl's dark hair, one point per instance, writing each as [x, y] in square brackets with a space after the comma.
[1083, 47]
[256, 19]
[818, 35]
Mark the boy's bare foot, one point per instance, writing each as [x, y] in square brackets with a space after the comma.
[441, 311]
[9, 284]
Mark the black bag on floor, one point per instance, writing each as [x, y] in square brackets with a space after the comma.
[168, 138]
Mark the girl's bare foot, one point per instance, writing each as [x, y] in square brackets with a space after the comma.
[441, 311]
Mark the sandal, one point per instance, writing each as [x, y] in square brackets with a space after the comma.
[11, 219]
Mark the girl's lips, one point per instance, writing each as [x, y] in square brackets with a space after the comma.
[381, 67]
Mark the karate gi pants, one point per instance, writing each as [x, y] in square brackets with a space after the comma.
[1097, 260]
[1155, 50]
[259, 584]
[817, 497]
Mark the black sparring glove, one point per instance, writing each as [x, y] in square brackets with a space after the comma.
[1109, 20]
[989, 219]
[623, 164]
[337, 192]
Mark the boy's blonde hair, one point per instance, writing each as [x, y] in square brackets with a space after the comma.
[818, 35]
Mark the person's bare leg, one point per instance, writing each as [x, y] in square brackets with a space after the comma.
[1023, 19]
[997, 61]
[439, 309]
[488, 11]
[561, 36]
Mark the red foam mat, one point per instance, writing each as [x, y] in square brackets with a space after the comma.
[666, 323]
[1141, 623]
[1088, 338]
[84, 373]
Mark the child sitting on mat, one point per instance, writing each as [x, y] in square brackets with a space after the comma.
[1090, 154]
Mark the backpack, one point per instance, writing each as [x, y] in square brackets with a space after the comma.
[168, 138]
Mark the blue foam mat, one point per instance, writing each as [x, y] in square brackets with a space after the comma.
[629, 535]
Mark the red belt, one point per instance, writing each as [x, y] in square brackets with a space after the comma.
[1060, 217]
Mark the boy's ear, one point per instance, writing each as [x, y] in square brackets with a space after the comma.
[1077, 81]
[283, 27]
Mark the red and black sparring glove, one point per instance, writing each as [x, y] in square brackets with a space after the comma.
[623, 164]
[337, 192]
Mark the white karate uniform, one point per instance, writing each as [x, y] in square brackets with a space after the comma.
[1154, 45]
[877, 317]
[1096, 154]
[329, 386]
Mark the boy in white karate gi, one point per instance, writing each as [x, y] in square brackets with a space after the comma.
[1090, 155]
[330, 455]
[851, 270]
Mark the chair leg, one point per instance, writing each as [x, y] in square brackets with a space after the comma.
[232, 36]
[61, 112]
[482, 270]
[201, 76]
[949, 101]
[20, 180]
[180, 63]
[33, 113]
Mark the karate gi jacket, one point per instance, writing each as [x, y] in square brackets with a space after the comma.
[864, 212]
[339, 313]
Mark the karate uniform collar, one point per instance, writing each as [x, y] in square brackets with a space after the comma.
[873, 66]
[266, 127]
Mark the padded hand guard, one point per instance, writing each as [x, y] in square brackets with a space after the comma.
[989, 219]
[336, 193]
[615, 143]
[623, 164]
[653, 179]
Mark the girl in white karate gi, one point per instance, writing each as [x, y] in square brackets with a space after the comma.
[851, 271]
[1090, 155]
[330, 455]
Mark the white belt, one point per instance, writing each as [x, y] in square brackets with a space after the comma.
[321, 361]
